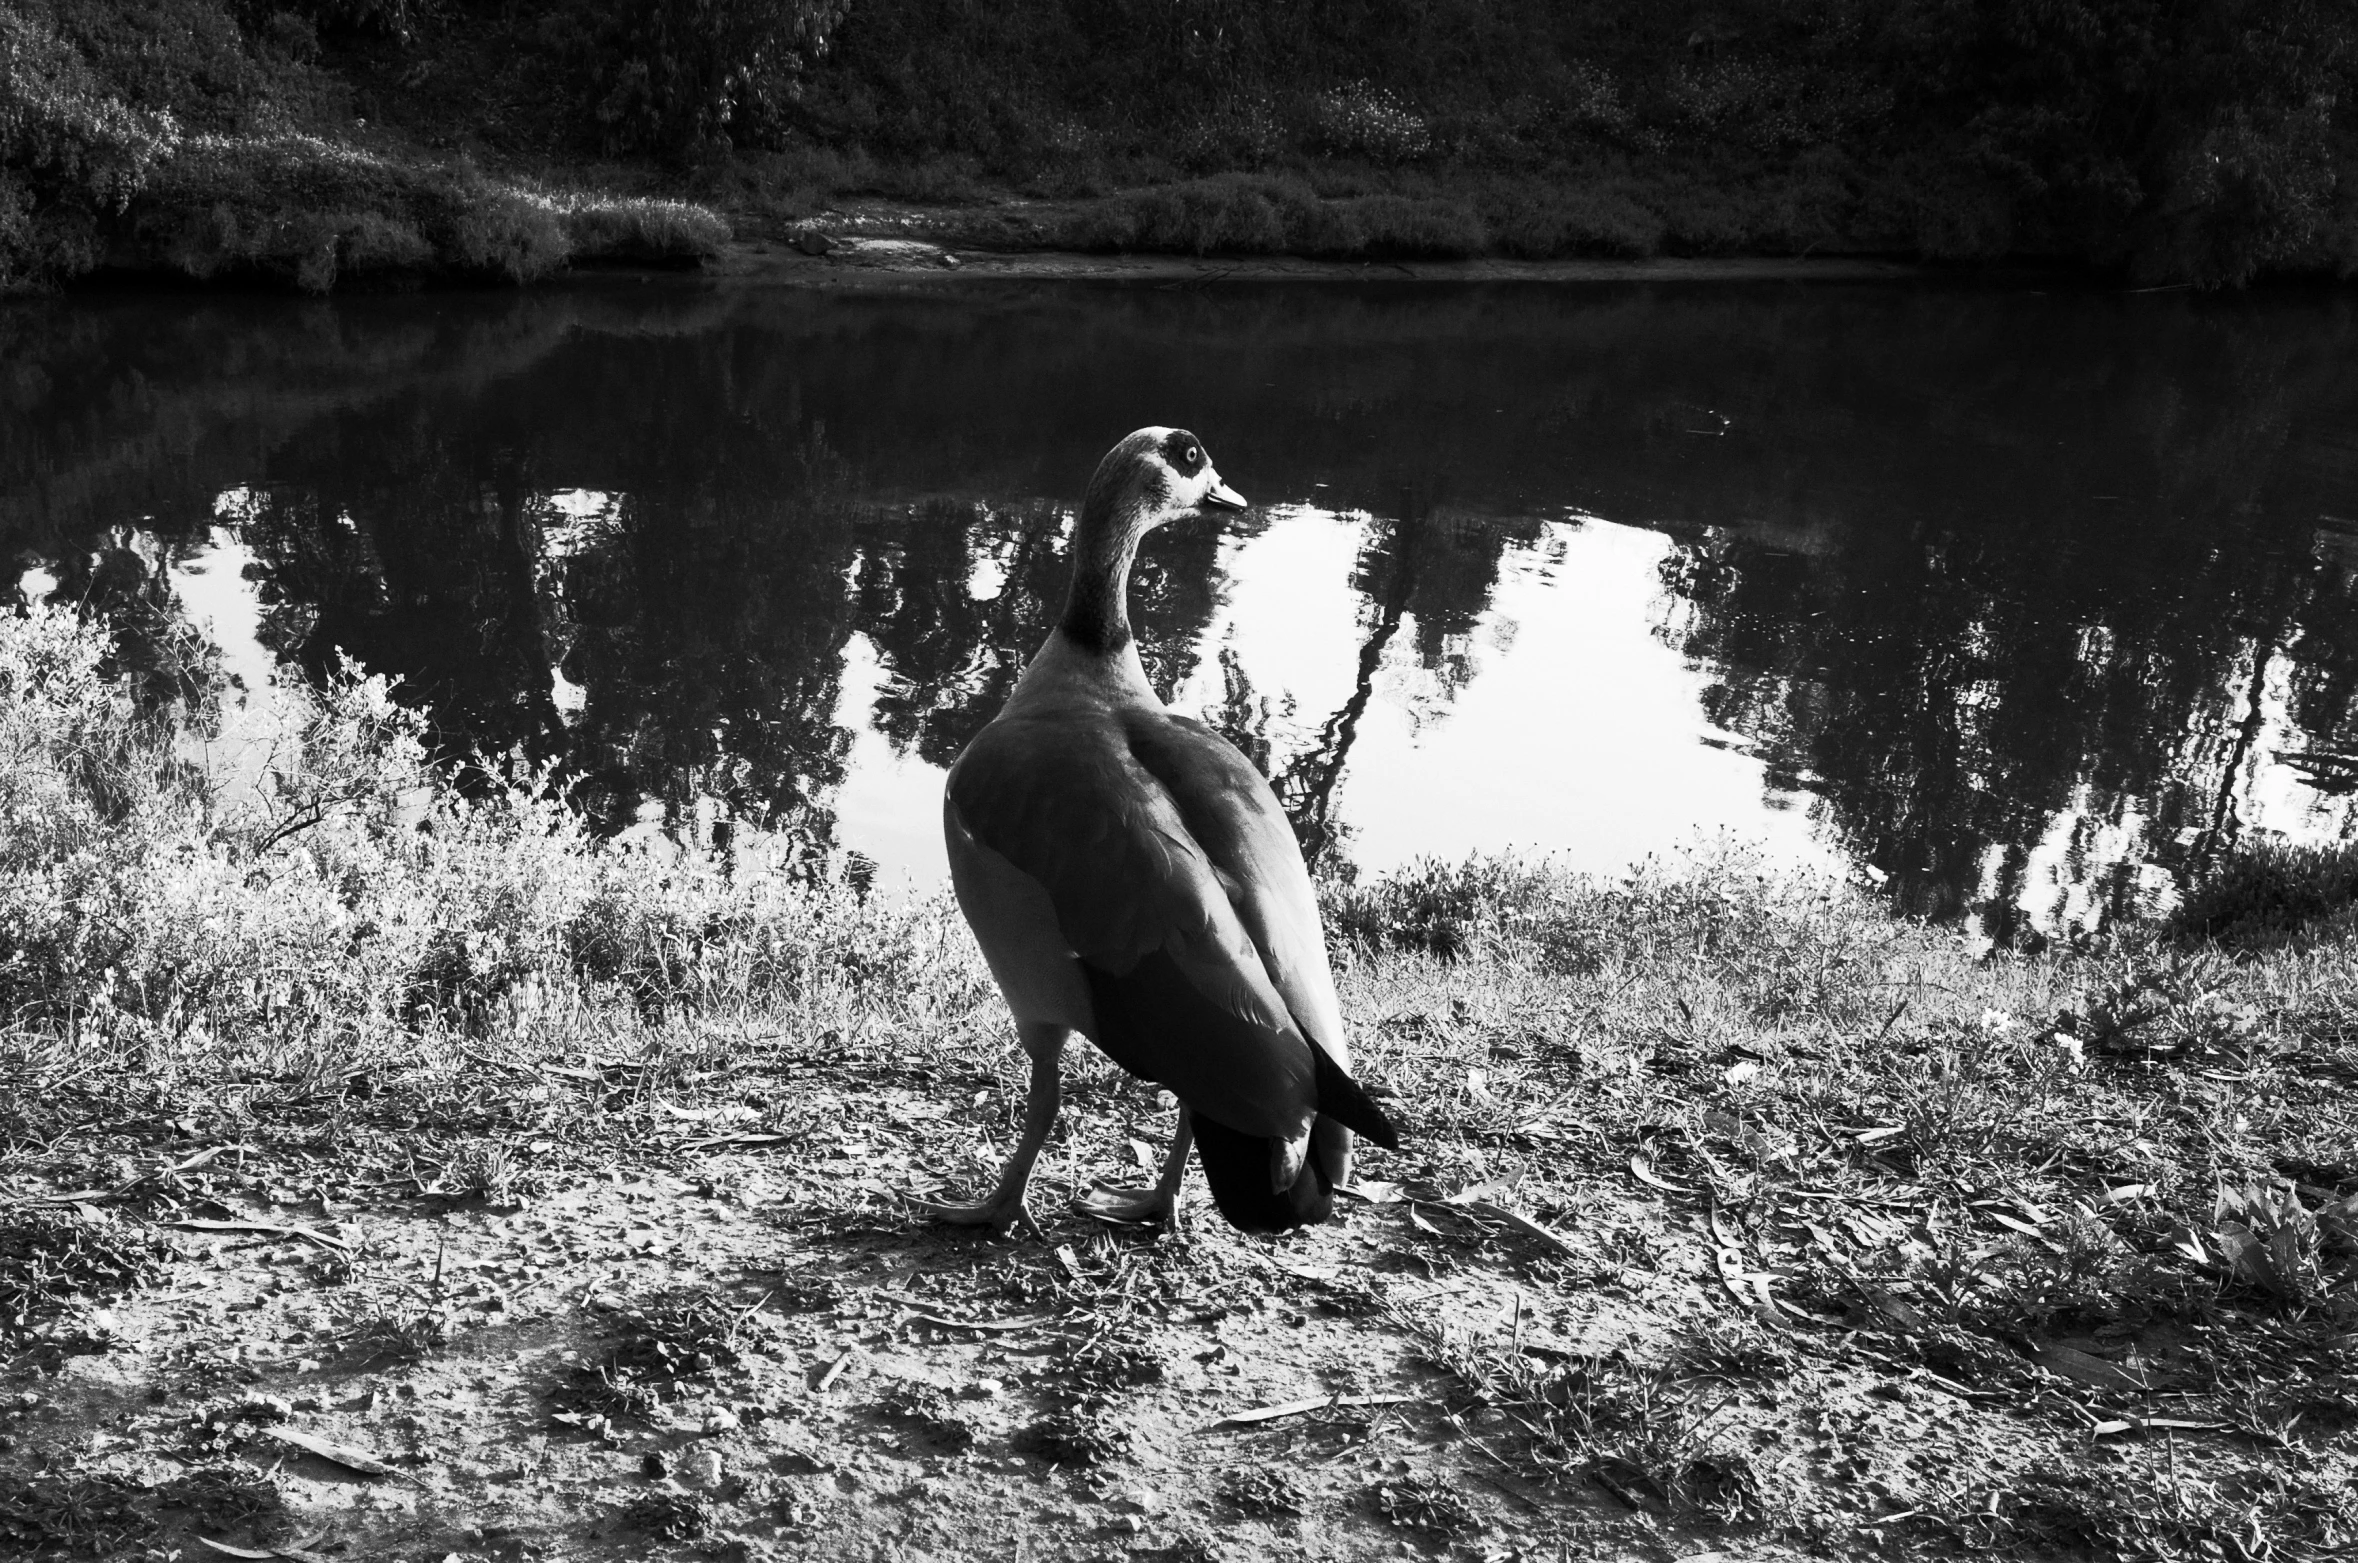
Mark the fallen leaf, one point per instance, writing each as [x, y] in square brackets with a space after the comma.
[992, 1326]
[1643, 1170]
[335, 1454]
[1297, 1407]
[1750, 1290]
[272, 1228]
[1525, 1225]
[743, 1137]
[2140, 1424]
[1471, 1193]
[734, 1112]
[2084, 1368]
[835, 1369]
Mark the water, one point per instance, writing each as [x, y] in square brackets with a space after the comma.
[2019, 602]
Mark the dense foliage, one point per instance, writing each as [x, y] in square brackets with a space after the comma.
[685, 74]
[2195, 140]
[213, 136]
[352, 893]
[2200, 139]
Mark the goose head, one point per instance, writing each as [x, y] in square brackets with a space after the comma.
[1151, 477]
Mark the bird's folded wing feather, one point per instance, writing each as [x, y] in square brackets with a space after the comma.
[1071, 806]
[1235, 820]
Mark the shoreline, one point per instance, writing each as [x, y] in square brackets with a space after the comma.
[853, 256]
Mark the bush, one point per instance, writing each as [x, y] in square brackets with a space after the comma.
[637, 229]
[507, 236]
[364, 895]
[1412, 228]
[71, 151]
[2265, 895]
[1541, 221]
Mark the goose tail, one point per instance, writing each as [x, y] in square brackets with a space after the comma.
[1237, 1165]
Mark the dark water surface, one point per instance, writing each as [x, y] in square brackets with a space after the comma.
[2022, 601]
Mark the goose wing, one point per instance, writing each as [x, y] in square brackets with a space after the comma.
[1103, 815]
[1236, 821]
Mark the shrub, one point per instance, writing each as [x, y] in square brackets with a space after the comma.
[1234, 214]
[638, 229]
[509, 236]
[185, 58]
[1410, 228]
[364, 894]
[1444, 909]
[1540, 221]
[2268, 894]
[71, 151]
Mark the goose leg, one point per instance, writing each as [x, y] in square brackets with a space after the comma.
[1144, 1205]
[1005, 1207]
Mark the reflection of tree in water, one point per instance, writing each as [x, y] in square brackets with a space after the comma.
[1966, 565]
[422, 568]
[126, 581]
[954, 656]
[1994, 677]
[709, 645]
[700, 617]
[1431, 571]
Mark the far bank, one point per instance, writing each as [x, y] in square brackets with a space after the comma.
[334, 144]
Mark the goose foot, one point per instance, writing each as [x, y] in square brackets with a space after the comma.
[1128, 1206]
[1137, 1206]
[997, 1213]
[1005, 1207]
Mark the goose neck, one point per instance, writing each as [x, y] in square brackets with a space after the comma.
[1096, 605]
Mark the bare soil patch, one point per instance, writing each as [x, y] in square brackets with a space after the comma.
[583, 1307]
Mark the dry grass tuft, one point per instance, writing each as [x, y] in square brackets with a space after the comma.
[73, 1516]
[49, 1257]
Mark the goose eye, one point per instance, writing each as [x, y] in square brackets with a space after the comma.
[1191, 456]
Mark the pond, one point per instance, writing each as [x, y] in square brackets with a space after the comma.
[2017, 602]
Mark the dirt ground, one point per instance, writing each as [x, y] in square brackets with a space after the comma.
[593, 1308]
[850, 1382]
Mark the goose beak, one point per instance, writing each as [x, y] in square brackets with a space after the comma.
[1222, 497]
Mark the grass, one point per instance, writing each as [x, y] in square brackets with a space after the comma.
[49, 1257]
[1732, 1208]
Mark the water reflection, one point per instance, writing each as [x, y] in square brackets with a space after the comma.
[2024, 602]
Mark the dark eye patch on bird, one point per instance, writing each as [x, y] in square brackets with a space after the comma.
[1183, 452]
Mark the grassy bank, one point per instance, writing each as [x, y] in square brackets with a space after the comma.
[557, 1182]
[340, 142]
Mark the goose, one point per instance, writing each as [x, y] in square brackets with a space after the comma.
[1130, 876]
